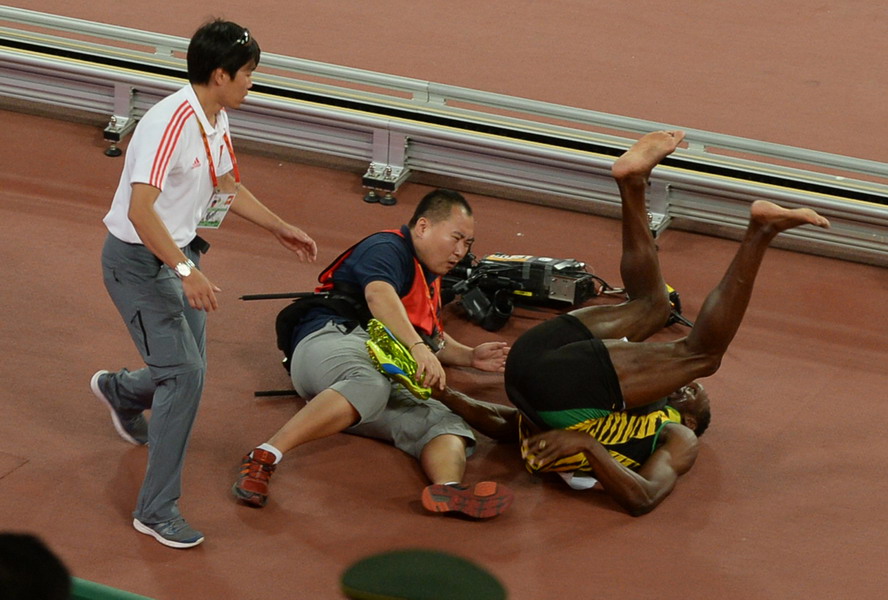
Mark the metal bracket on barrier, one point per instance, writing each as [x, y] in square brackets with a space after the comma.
[387, 171]
[122, 122]
[658, 207]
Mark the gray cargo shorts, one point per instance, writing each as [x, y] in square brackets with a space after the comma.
[334, 358]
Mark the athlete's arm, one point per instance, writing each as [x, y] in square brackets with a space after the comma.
[496, 421]
[199, 291]
[637, 492]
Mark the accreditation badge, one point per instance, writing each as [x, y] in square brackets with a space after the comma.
[218, 207]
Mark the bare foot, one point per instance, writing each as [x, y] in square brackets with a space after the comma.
[646, 153]
[767, 213]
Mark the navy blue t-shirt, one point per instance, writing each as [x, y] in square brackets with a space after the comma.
[380, 257]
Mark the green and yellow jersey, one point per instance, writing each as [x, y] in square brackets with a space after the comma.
[630, 436]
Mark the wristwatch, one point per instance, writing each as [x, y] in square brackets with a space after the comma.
[183, 269]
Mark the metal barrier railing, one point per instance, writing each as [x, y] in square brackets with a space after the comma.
[402, 128]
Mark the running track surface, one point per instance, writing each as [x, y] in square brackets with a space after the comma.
[785, 500]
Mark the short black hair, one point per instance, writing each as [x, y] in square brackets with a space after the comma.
[437, 205]
[220, 44]
[703, 419]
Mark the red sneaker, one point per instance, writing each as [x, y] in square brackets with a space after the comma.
[482, 501]
[251, 486]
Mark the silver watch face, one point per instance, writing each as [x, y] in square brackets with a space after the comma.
[183, 270]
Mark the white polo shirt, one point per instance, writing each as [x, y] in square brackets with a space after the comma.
[167, 151]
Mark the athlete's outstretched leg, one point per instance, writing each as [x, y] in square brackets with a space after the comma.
[652, 370]
[648, 307]
[721, 314]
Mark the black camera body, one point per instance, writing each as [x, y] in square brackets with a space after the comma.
[489, 288]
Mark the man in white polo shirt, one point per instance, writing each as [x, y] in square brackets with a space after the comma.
[180, 174]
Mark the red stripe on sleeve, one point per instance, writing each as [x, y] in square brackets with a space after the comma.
[168, 143]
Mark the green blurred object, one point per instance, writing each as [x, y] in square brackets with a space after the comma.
[419, 575]
[81, 589]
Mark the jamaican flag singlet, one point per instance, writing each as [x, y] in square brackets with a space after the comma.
[630, 436]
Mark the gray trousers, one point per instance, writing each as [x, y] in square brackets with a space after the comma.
[171, 337]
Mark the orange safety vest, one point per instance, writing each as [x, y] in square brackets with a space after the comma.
[422, 302]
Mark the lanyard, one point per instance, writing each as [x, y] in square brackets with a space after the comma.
[210, 157]
[434, 306]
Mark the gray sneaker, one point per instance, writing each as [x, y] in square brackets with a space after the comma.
[131, 425]
[175, 533]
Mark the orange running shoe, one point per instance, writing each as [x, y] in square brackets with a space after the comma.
[484, 500]
[251, 486]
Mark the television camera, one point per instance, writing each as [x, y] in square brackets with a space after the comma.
[488, 289]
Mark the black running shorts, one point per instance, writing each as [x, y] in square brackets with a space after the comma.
[559, 374]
